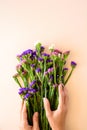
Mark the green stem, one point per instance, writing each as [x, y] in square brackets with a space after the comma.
[69, 76]
[54, 71]
[29, 114]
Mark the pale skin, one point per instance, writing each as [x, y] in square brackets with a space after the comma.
[55, 118]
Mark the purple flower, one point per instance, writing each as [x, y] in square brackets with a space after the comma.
[73, 64]
[45, 55]
[42, 48]
[50, 70]
[27, 95]
[32, 90]
[34, 53]
[19, 57]
[48, 61]
[65, 69]
[38, 70]
[32, 65]
[22, 90]
[32, 83]
[29, 51]
[40, 59]
[51, 78]
[46, 72]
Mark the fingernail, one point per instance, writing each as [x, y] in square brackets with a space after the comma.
[36, 114]
[44, 99]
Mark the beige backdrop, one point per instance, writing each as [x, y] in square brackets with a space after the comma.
[62, 22]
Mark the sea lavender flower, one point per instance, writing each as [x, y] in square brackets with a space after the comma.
[27, 96]
[19, 57]
[45, 55]
[49, 61]
[66, 54]
[23, 62]
[34, 54]
[32, 90]
[73, 64]
[56, 52]
[29, 51]
[65, 69]
[19, 68]
[50, 78]
[32, 66]
[45, 73]
[38, 70]
[50, 70]
[42, 48]
[32, 83]
[22, 90]
[40, 59]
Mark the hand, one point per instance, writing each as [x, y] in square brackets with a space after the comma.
[23, 119]
[56, 118]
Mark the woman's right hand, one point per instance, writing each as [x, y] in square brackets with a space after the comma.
[56, 118]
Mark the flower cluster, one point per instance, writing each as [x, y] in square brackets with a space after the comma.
[38, 75]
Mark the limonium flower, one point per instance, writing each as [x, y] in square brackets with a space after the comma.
[38, 75]
[73, 64]
[32, 83]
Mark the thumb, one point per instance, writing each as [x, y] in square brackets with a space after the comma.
[47, 107]
[36, 121]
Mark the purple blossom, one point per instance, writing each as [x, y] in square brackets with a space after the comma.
[32, 83]
[32, 65]
[45, 55]
[40, 59]
[38, 70]
[73, 64]
[51, 78]
[32, 90]
[34, 53]
[42, 48]
[48, 61]
[50, 70]
[27, 95]
[22, 90]
[19, 57]
[65, 69]
[46, 72]
[29, 51]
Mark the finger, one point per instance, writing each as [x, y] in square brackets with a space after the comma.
[21, 109]
[35, 121]
[24, 114]
[61, 95]
[47, 107]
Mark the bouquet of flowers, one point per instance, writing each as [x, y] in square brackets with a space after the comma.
[38, 75]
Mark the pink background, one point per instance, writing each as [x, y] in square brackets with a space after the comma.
[61, 22]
